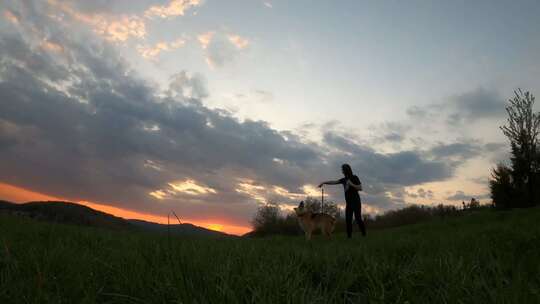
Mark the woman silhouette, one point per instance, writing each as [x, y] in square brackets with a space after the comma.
[351, 185]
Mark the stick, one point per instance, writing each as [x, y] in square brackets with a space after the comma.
[179, 221]
[322, 199]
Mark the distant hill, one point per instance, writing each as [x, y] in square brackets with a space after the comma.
[65, 212]
[177, 229]
[72, 213]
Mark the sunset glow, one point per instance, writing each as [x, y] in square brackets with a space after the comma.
[20, 195]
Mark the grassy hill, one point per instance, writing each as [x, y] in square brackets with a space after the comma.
[185, 229]
[65, 212]
[484, 257]
[72, 213]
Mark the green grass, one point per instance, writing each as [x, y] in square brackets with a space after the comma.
[487, 257]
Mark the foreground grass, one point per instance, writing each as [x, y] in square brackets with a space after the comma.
[489, 257]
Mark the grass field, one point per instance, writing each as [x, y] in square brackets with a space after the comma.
[487, 257]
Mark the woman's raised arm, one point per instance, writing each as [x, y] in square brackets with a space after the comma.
[335, 182]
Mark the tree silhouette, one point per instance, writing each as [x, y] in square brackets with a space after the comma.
[517, 186]
[314, 205]
[267, 218]
[501, 187]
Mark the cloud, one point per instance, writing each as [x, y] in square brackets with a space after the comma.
[102, 135]
[389, 132]
[115, 28]
[461, 151]
[11, 17]
[239, 42]
[268, 4]
[93, 7]
[403, 168]
[173, 9]
[51, 46]
[422, 193]
[469, 107]
[177, 189]
[187, 86]
[461, 196]
[475, 105]
[205, 39]
[120, 29]
[83, 126]
[221, 48]
[152, 52]
[263, 96]
[458, 150]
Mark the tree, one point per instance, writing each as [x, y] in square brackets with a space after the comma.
[314, 205]
[474, 204]
[501, 187]
[267, 219]
[522, 131]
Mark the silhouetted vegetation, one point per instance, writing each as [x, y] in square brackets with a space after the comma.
[410, 215]
[271, 220]
[518, 185]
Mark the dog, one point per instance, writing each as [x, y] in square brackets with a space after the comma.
[310, 221]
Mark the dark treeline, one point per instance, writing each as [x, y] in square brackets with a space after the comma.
[271, 220]
[517, 184]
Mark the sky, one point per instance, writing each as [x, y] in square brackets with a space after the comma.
[212, 108]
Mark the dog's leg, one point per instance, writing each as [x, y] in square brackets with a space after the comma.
[328, 232]
[308, 235]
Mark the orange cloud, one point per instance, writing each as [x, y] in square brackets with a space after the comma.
[205, 39]
[151, 52]
[261, 193]
[191, 187]
[19, 195]
[248, 187]
[239, 42]
[227, 46]
[112, 28]
[122, 28]
[173, 9]
[51, 46]
[188, 186]
[11, 17]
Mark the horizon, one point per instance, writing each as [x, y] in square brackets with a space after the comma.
[213, 108]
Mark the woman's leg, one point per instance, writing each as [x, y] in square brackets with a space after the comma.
[359, 220]
[348, 220]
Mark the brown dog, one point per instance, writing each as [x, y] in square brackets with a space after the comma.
[310, 221]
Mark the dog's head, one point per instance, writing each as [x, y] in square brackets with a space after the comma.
[300, 210]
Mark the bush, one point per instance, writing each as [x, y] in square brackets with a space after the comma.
[410, 215]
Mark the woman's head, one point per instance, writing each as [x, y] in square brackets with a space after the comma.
[346, 169]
